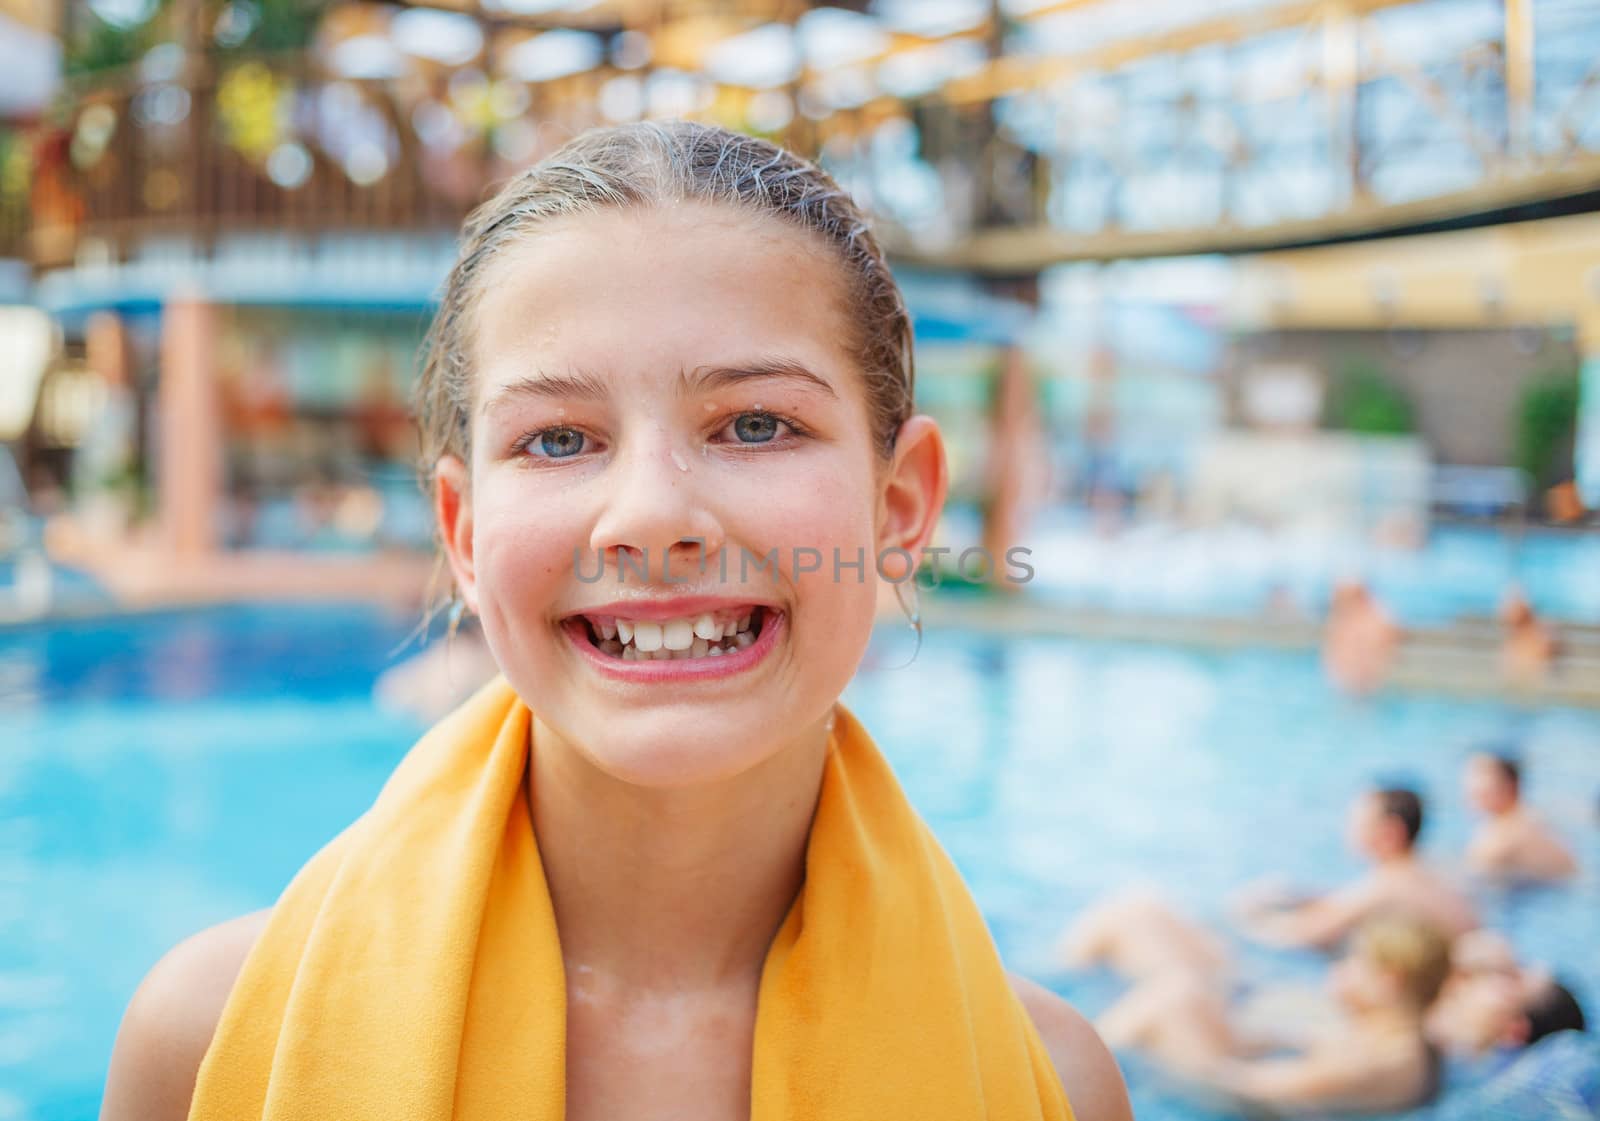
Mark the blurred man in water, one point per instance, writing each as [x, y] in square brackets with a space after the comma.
[1511, 842]
[1360, 640]
[1139, 936]
[1383, 825]
[1529, 648]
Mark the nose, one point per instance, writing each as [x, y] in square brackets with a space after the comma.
[655, 509]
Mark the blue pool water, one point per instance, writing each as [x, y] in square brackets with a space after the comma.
[161, 773]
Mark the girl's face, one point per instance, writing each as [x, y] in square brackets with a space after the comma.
[666, 405]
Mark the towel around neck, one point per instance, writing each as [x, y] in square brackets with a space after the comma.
[412, 968]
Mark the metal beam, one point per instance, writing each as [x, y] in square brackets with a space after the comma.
[1519, 78]
[1016, 75]
[1430, 94]
[1055, 7]
[1018, 251]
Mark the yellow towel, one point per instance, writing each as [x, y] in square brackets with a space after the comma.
[411, 971]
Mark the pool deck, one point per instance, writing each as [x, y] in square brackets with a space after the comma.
[1462, 659]
[140, 574]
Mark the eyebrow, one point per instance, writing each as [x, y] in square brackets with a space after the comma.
[586, 386]
[704, 378]
[579, 384]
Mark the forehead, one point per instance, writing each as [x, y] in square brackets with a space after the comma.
[659, 289]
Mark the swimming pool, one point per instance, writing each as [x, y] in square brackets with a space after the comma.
[159, 773]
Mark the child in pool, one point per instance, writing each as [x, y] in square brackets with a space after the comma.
[664, 347]
[1374, 1057]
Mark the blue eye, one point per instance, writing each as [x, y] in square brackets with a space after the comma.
[755, 428]
[556, 443]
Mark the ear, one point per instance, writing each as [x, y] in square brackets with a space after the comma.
[452, 506]
[914, 488]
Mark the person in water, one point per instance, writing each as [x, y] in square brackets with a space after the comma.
[426, 686]
[1493, 1003]
[1520, 1035]
[1512, 842]
[1360, 640]
[1530, 646]
[654, 869]
[1383, 826]
[1374, 1057]
[1138, 935]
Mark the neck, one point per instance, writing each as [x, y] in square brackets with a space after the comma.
[672, 888]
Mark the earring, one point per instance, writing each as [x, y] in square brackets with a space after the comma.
[913, 611]
[458, 609]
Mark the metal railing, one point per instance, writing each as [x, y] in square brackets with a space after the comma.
[205, 152]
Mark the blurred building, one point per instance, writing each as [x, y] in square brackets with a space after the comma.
[237, 214]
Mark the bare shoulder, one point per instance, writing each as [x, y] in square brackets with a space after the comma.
[171, 1019]
[1086, 1067]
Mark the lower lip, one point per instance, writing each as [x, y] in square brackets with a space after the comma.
[680, 669]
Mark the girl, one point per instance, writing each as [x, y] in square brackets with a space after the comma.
[654, 870]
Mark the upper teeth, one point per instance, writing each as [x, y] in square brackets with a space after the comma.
[694, 636]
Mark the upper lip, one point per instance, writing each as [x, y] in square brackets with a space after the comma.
[677, 607]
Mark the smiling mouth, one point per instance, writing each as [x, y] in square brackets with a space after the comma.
[708, 635]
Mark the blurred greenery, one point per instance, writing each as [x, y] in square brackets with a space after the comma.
[1547, 425]
[946, 575]
[273, 25]
[246, 26]
[1365, 399]
[98, 45]
[15, 172]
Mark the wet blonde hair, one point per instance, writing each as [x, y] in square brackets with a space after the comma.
[657, 163]
[1416, 951]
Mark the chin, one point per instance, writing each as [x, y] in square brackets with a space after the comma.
[666, 752]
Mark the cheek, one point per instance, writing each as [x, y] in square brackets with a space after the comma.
[820, 517]
[1483, 1013]
[523, 551]
[823, 523]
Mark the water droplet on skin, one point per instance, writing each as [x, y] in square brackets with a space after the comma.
[677, 457]
[711, 406]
